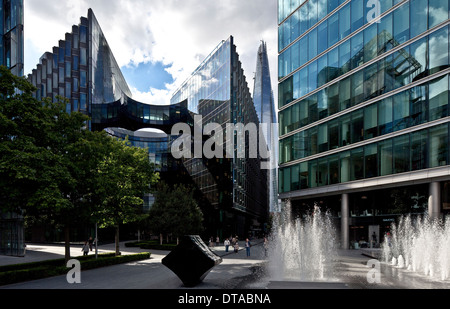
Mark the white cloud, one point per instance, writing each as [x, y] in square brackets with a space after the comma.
[179, 33]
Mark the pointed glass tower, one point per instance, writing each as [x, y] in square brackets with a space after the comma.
[265, 108]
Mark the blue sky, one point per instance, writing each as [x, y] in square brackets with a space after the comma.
[159, 43]
[148, 75]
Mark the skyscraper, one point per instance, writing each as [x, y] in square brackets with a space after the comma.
[265, 108]
[11, 35]
[235, 186]
[364, 115]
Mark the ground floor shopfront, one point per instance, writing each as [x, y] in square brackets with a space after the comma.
[362, 217]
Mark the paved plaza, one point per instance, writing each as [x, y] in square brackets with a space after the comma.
[237, 271]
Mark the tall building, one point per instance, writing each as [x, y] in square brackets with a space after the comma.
[265, 108]
[364, 110]
[82, 68]
[11, 56]
[11, 35]
[235, 186]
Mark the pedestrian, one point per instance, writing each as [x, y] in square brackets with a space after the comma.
[247, 246]
[389, 239]
[236, 247]
[266, 245]
[91, 242]
[217, 241]
[85, 248]
[227, 244]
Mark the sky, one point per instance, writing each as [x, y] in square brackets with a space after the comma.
[159, 43]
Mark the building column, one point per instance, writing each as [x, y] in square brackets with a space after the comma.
[434, 200]
[345, 221]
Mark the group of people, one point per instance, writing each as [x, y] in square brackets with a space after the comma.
[87, 246]
[234, 243]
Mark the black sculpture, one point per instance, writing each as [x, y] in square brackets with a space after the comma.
[191, 260]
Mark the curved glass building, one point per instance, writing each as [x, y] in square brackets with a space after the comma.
[82, 68]
[363, 109]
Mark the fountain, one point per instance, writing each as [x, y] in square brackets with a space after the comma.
[421, 245]
[302, 249]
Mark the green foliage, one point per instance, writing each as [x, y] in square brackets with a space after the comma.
[175, 211]
[52, 168]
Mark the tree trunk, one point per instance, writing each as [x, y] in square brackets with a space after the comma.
[117, 240]
[67, 243]
[160, 239]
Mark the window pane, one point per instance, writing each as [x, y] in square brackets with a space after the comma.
[401, 24]
[333, 166]
[371, 121]
[322, 41]
[438, 49]
[357, 14]
[438, 98]
[419, 17]
[333, 30]
[385, 34]
[438, 12]
[345, 166]
[401, 154]
[439, 146]
[345, 93]
[344, 22]
[419, 153]
[385, 157]
[357, 167]
[357, 126]
[371, 161]
[401, 111]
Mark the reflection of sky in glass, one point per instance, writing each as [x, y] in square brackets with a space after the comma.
[211, 80]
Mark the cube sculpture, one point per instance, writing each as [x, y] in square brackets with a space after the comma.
[191, 260]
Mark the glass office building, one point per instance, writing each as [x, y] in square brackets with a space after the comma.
[265, 108]
[11, 35]
[11, 56]
[235, 186]
[82, 68]
[363, 109]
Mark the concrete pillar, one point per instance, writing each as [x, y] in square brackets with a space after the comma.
[434, 200]
[345, 222]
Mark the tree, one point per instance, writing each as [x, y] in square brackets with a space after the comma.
[175, 211]
[124, 176]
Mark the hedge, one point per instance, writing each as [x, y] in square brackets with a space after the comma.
[10, 274]
[151, 244]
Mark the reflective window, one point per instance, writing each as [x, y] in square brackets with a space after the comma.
[439, 146]
[438, 94]
[401, 154]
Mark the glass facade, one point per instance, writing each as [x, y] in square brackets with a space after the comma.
[82, 68]
[265, 108]
[11, 35]
[361, 97]
[11, 55]
[236, 187]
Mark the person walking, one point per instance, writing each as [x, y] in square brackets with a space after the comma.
[91, 242]
[236, 247]
[266, 246]
[227, 244]
[85, 248]
[247, 246]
